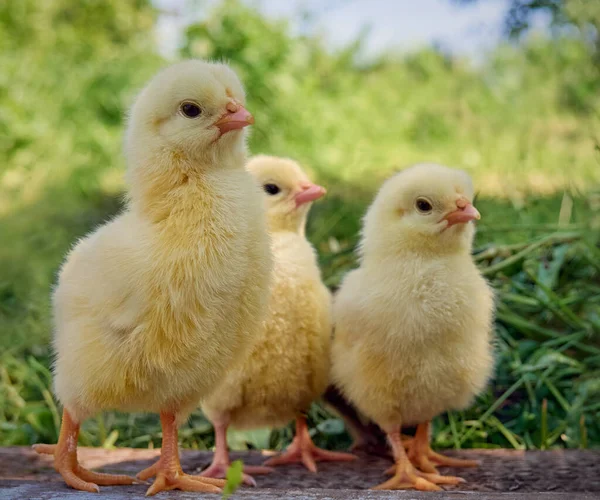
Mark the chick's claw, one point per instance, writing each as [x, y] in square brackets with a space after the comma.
[219, 470]
[79, 477]
[428, 460]
[445, 461]
[173, 478]
[44, 449]
[258, 469]
[302, 449]
[148, 472]
[220, 463]
[167, 481]
[407, 477]
[402, 483]
[66, 464]
[168, 472]
[424, 458]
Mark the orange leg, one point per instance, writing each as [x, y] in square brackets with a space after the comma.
[220, 464]
[406, 476]
[302, 449]
[424, 458]
[65, 460]
[167, 470]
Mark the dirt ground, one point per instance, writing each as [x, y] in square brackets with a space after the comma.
[505, 471]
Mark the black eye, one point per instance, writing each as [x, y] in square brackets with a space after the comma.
[423, 205]
[272, 189]
[190, 109]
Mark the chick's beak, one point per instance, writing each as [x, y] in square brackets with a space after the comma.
[465, 212]
[236, 117]
[310, 192]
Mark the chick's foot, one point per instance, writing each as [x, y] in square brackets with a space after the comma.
[302, 449]
[424, 458]
[218, 468]
[407, 477]
[168, 472]
[66, 464]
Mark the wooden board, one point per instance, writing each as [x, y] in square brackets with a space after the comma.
[503, 475]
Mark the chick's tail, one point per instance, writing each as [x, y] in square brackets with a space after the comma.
[302, 449]
[425, 459]
[168, 472]
[65, 460]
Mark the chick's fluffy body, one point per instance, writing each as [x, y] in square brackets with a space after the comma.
[152, 307]
[288, 365]
[412, 324]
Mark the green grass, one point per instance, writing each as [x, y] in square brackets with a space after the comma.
[548, 347]
[525, 126]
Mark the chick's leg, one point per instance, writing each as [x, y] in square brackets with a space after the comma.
[65, 460]
[167, 470]
[302, 449]
[406, 476]
[220, 464]
[423, 457]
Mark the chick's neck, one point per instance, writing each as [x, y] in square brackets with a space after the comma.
[292, 222]
[169, 184]
[380, 246]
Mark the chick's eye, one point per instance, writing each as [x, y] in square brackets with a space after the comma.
[271, 189]
[190, 110]
[423, 205]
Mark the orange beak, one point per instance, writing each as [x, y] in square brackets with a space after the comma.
[310, 192]
[236, 117]
[465, 212]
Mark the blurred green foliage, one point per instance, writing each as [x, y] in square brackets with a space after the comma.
[525, 125]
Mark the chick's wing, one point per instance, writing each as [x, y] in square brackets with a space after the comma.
[103, 277]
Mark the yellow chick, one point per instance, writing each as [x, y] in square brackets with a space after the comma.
[154, 306]
[413, 324]
[288, 366]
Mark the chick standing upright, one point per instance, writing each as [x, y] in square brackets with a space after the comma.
[153, 307]
[288, 366]
[413, 324]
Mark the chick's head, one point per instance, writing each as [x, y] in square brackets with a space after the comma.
[426, 208]
[193, 111]
[289, 193]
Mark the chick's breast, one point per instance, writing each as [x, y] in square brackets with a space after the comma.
[416, 344]
[288, 365]
[148, 317]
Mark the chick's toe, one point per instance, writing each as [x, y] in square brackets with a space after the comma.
[425, 459]
[219, 470]
[168, 472]
[66, 464]
[303, 450]
[405, 476]
[220, 463]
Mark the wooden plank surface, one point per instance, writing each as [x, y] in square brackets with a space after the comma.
[39, 491]
[503, 475]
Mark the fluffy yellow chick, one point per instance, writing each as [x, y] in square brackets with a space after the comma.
[288, 366]
[413, 324]
[154, 306]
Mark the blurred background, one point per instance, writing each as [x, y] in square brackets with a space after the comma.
[508, 90]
